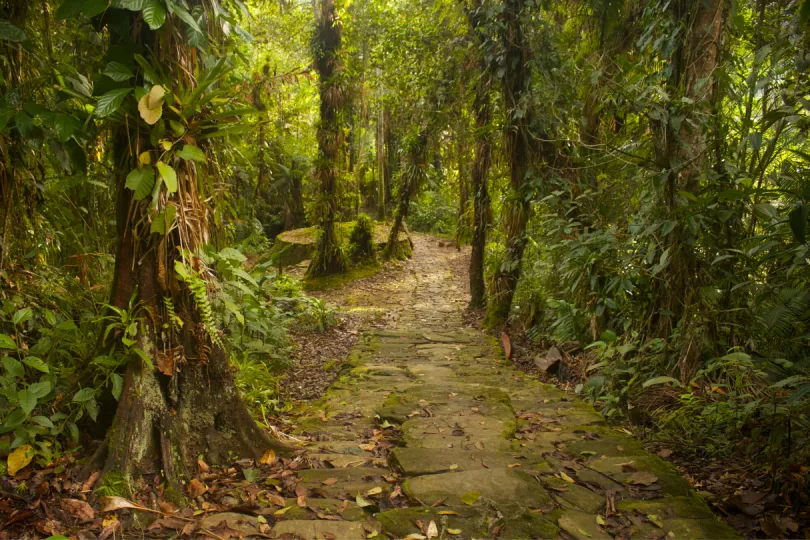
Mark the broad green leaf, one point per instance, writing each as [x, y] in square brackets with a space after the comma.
[163, 220]
[65, 126]
[117, 385]
[13, 367]
[73, 8]
[22, 316]
[36, 363]
[132, 5]
[10, 32]
[73, 429]
[154, 14]
[43, 421]
[798, 222]
[109, 102]
[118, 72]
[169, 176]
[83, 395]
[181, 270]
[6, 342]
[27, 401]
[40, 389]
[141, 181]
[191, 152]
[187, 18]
[661, 380]
[91, 406]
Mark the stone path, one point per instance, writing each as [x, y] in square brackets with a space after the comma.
[431, 433]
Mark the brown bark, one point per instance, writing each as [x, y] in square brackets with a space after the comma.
[182, 402]
[328, 258]
[480, 171]
[517, 146]
[683, 152]
[411, 176]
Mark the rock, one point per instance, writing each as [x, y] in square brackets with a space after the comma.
[582, 526]
[496, 485]
[230, 501]
[400, 522]
[318, 530]
[420, 461]
[551, 362]
[241, 523]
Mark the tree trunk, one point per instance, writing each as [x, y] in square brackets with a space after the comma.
[463, 190]
[329, 257]
[391, 154]
[517, 145]
[683, 152]
[381, 165]
[411, 178]
[480, 171]
[179, 400]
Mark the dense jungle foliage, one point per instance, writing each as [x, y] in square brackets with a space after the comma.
[633, 177]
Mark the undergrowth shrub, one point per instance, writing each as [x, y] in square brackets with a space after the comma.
[433, 212]
[361, 238]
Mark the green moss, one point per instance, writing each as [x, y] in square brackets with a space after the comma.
[113, 484]
[337, 280]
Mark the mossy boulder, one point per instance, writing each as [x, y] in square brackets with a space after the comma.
[293, 247]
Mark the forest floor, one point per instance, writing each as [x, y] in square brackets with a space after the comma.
[425, 430]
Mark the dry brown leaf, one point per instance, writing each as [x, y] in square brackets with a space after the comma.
[112, 503]
[507, 344]
[665, 453]
[203, 466]
[302, 501]
[276, 499]
[79, 509]
[643, 478]
[329, 481]
[90, 482]
[196, 488]
[432, 530]
[269, 458]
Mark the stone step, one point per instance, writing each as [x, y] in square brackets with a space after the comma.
[319, 530]
[499, 486]
[423, 461]
[340, 461]
[346, 483]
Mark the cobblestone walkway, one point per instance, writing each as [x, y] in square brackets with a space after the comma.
[432, 434]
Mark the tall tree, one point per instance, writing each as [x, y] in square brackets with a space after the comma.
[178, 400]
[328, 258]
[517, 146]
[680, 148]
[482, 111]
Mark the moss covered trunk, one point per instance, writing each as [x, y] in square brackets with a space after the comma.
[329, 258]
[411, 178]
[517, 146]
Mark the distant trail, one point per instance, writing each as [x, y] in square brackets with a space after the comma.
[475, 448]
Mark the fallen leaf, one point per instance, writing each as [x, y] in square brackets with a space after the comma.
[361, 502]
[20, 458]
[203, 466]
[90, 482]
[302, 501]
[470, 497]
[269, 458]
[196, 488]
[283, 511]
[454, 531]
[112, 503]
[329, 481]
[566, 478]
[276, 499]
[643, 478]
[432, 530]
[396, 492]
[374, 491]
[165, 363]
[507, 345]
[453, 467]
[447, 513]
[513, 465]
[655, 521]
[600, 520]
[665, 452]
[79, 509]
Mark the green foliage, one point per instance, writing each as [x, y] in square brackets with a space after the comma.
[361, 238]
[434, 212]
